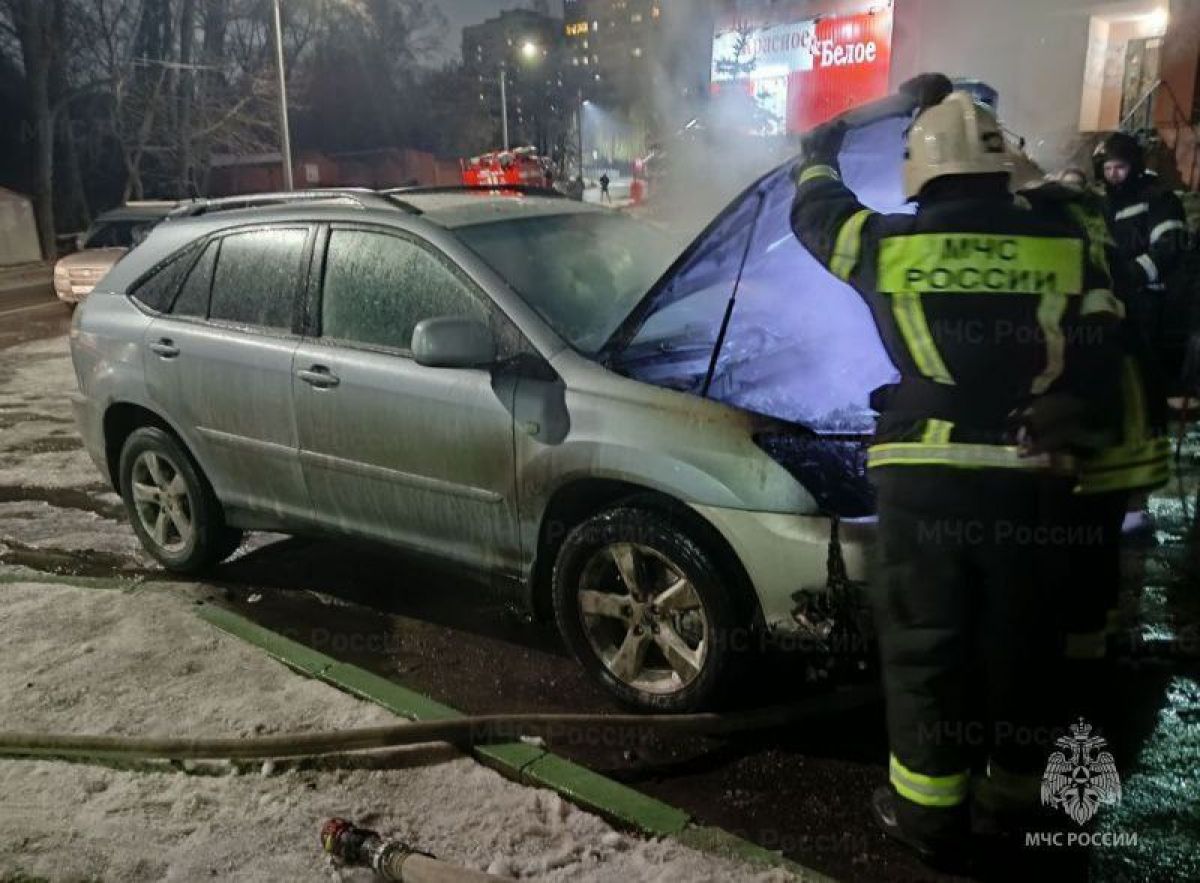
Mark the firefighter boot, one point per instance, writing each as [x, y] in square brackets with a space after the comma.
[943, 847]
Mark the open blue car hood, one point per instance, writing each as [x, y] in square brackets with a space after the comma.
[799, 345]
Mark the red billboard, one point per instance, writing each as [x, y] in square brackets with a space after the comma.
[801, 71]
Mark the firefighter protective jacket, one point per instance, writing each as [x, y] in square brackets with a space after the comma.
[1148, 224]
[982, 304]
[1140, 458]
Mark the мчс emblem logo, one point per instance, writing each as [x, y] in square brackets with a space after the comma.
[1082, 777]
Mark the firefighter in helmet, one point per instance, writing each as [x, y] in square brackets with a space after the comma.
[1001, 322]
[1149, 227]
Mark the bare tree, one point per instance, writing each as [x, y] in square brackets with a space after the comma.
[172, 87]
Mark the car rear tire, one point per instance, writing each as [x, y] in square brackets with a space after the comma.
[172, 507]
[646, 610]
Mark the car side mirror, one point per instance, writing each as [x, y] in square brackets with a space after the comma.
[453, 342]
[80, 241]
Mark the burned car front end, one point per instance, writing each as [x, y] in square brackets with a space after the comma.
[748, 318]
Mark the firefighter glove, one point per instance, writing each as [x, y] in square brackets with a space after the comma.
[927, 89]
[823, 144]
[1051, 424]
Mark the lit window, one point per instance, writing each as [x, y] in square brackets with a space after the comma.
[655, 12]
[585, 44]
[586, 60]
[595, 26]
[575, 61]
[636, 18]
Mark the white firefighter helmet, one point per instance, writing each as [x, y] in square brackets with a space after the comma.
[959, 136]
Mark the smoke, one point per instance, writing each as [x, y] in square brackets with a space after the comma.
[705, 153]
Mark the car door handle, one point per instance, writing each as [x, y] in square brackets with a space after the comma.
[165, 347]
[318, 376]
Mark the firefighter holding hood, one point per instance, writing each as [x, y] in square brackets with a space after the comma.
[1002, 323]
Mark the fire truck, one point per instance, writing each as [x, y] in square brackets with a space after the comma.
[520, 167]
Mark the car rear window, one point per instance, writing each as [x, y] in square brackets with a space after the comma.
[113, 234]
[157, 291]
[193, 297]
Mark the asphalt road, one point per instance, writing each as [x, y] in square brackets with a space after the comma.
[802, 791]
[30, 312]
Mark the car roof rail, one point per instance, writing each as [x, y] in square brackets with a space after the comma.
[522, 189]
[360, 197]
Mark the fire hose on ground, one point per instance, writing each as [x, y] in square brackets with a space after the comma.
[460, 731]
[392, 859]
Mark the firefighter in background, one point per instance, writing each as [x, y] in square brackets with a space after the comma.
[1089, 564]
[1148, 224]
[1003, 328]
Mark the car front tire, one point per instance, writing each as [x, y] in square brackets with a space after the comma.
[645, 609]
[172, 508]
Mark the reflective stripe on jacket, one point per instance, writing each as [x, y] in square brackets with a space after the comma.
[1142, 460]
[1149, 226]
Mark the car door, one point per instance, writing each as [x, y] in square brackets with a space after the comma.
[219, 364]
[417, 456]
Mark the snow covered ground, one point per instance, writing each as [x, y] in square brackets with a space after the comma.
[134, 659]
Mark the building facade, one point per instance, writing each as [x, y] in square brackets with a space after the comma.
[527, 45]
[1064, 71]
[637, 69]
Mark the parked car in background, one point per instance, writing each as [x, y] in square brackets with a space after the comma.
[111, 235]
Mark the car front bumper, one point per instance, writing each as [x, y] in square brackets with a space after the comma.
[788, 556]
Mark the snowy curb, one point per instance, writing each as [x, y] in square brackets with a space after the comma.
[523, 763]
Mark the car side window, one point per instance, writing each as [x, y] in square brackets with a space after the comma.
[379, 286]
[193, 296]
[257, 276]
[157, 291]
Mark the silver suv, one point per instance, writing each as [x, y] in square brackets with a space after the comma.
[434, 370]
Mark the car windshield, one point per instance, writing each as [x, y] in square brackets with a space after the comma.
[582, 273]
[113, 234]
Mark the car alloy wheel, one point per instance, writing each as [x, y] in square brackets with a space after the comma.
[644, 606]
[643, 618]
[162, 501]
[172, 506]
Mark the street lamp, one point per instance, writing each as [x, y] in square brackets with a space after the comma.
[529, 51]
[286, 138]
[583, 102]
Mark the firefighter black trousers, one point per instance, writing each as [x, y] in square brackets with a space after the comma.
[968, 637]
[1092, 569]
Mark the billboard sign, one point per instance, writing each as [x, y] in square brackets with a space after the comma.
[802, 71]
